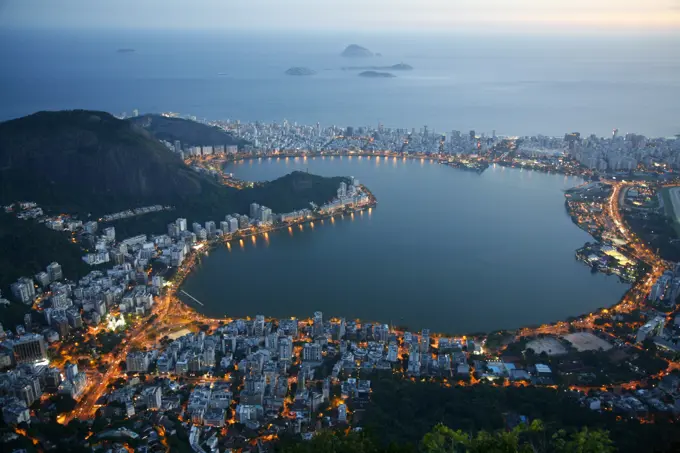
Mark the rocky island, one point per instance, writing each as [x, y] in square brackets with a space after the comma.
[394, 67]
[376, 75]
[356, 51]
[300, 71]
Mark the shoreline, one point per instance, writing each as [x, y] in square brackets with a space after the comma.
[480, 168]
[577, 317]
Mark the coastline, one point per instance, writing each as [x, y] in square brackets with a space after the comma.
[576, 317]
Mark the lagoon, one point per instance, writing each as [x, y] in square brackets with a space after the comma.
[445, 249]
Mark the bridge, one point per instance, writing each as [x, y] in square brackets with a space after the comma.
[191, 297]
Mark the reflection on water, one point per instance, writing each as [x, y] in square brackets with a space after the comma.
[450, 250]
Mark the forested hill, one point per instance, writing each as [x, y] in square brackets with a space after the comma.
[90, 162]
[186, 131]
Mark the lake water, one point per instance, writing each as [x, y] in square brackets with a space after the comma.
[513, 84]
[446, 249]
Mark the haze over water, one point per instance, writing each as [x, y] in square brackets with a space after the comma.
[446, 249]
[513, 84]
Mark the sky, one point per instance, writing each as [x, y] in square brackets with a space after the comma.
[445, 15]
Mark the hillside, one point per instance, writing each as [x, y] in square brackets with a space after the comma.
[86, 162]
[90, 162]
[186, 131]
[288, 193]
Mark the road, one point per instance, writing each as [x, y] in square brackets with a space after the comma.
[172, 313]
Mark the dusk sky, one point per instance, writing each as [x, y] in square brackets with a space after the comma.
[519, 15]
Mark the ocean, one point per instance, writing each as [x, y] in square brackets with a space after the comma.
[510, 84]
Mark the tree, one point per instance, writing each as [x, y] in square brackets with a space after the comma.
[522, 439]
[584, 441]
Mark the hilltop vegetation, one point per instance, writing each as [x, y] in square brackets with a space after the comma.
[89, 162]
[401, 412]
[186, 131]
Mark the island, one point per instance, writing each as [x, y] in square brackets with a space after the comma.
[300, 71]
[355, 50]
[125, 50]
[376, 75]
[394, 67]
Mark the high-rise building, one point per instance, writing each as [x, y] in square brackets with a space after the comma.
[137, 362]
[152, 397]
[178, 146]
[317, 326]
[265, 214]
[243, 221]
[285, 348]
[43, 278]
[254, 210]
[117, 257]
[110, 234]
[23, 290]
[182, 224]
[54, 271]
[258, 325]
[233, 224]
[71, 371]
[29, 348]
[340, 332]
[210, 227]
[425, 340]
[312, 352]
[342, 190]
[173, 230]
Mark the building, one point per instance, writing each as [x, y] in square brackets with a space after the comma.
[43, 279]
[138, 362]
[651, 328]
[29, 348]
[24, 290]
[233, 224]
[15, 411]
[258, 326]
[110, 234]
[342, 413]
[285, 348]
[254, 210]
[55, 272]
[311, 352]
[317, 327]
[71, 371]
[152, 397]
[264, 214]
[425, 340]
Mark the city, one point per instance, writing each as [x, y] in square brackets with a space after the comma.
[122, 349]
